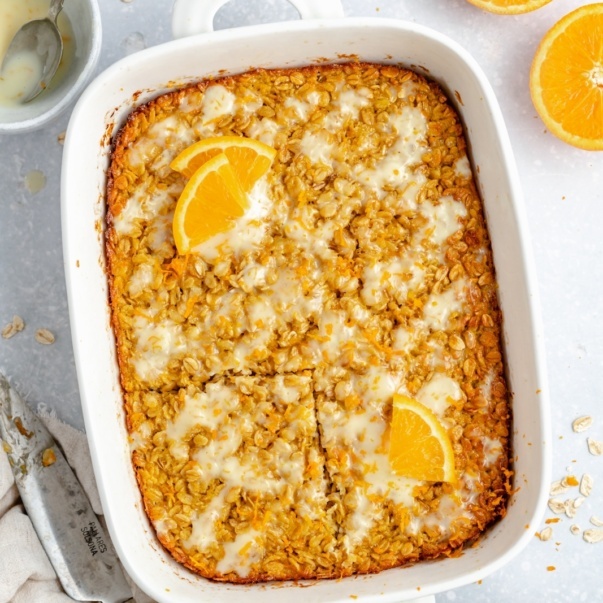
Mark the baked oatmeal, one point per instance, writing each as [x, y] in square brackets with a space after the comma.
[259, 370]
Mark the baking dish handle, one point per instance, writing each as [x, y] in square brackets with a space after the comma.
[190, 17]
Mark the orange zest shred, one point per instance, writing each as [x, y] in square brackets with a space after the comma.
[190, 304]
[178, 265]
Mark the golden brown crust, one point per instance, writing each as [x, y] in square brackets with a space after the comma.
[181, 296]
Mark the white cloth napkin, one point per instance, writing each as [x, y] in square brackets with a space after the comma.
[26, 575]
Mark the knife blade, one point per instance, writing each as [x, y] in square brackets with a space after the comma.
[76, 543]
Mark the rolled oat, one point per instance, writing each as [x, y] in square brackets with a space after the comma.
[595, 447]
[557, 506]
[546, 534]
[12, 328]
[582, 423]
[586, 485]
[45, 337]
[593, 535]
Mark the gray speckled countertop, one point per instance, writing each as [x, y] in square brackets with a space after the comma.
[563, 190]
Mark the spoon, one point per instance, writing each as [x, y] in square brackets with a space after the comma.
[43, 38]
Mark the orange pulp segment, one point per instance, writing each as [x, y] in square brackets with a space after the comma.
[419, 445]
[566, 79]
[509, 7]
[250, 159]
[210, 202]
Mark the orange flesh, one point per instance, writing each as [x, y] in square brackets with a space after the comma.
[250, 159]
[208, 205]
[572, 77]
[419, 449]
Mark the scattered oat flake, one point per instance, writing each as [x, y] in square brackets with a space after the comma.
[572, 506]
[570, 510]
[594, 446]
[44, 336]
[9, 331]
[35, 181]
[575, 529]
[556, 506]
[545, 534]
[582, 423]
[586, 485]
[12, 328]
[61, 138]
[596, 521]
[48, 457]
[593, 535]
[558, 488]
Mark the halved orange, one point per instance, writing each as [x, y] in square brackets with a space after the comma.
[209, 204]
[509, 7]
[566, 79]
[419, 446]
[250, 158]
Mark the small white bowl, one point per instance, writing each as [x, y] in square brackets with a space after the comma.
[84, 16]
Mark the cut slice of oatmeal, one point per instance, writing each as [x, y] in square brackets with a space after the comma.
[353, 417]
[236, 477]
[407, 516]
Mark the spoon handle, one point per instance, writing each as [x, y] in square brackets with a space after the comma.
[56, 6]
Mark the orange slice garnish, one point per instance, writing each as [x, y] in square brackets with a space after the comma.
[250, 158]
[419, 445]
[209, 204]
[509, 7]
[566, 79]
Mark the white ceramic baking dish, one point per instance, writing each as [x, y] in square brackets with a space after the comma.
[137, 78]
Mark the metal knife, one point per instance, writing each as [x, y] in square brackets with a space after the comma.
[78, 547]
